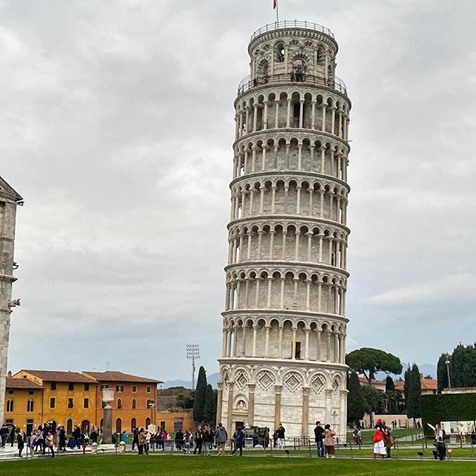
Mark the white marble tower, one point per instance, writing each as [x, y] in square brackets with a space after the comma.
[284, 326]
[9, 199]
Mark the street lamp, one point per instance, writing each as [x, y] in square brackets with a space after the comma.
[193, 352]
[448, 372]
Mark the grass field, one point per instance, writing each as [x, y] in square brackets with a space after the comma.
[180, 465]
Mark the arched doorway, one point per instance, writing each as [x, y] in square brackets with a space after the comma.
[147, 422]
[118, 425]
[53, 425]
[69, 426]
[133, 424]
[85, 427]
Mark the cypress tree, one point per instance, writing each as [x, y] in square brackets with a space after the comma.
[200, 396]
[391, 395]
[442, 372]
[414, 393]
[355, 400]
[209, 407]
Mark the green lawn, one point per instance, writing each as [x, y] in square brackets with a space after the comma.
[181, 465]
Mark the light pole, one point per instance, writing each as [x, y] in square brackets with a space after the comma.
[448, 372]
[193, 352]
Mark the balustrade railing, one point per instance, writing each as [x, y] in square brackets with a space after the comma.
[292, 24]
[336, 83]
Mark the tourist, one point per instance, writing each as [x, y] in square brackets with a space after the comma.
[329, 442]
[198, 441]
[221, 438]
[357, 436]
[379, 444]
[179, 440]
[49, 443]
[238, 440]
[205, 441]
[280, 438]
[187, 441]
[389, 441]
[20, 441]
[4, 434]
[141, 441]
[61, 439]
[12, 435]
[93, 436]
[439, 453]
[135, 438]
[319, 437]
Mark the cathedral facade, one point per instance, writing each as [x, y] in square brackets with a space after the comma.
[284, 325]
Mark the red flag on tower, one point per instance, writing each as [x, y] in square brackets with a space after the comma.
[275, 3]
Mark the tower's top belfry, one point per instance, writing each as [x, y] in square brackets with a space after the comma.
[292, 50]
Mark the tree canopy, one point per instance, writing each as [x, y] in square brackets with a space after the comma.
[368, 361]
[460, 371]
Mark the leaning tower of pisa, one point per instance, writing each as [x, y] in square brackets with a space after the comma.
[284, 326]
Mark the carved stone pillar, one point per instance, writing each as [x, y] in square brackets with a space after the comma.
[277, 405]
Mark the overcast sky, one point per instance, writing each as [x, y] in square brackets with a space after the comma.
[116, 126]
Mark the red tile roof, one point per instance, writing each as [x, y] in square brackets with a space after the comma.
[18, 383]
[116, 376]
[59, 376]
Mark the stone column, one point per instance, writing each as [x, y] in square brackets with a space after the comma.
[251, 403]
[219, 401]
[305, 412]
[277, 405]
[229, 419]
[107, 398]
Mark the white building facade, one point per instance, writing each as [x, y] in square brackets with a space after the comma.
[284, 326]
[9, 199]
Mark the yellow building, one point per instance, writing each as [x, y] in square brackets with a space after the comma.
[75, 399]
[69, 398]
[23, 404]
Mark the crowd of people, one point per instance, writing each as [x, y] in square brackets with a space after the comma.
[198, 441]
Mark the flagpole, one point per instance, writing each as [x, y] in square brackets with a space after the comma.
[277, 11]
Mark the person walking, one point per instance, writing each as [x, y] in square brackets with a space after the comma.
[12, 435]
[319, 437]
[206, 441]
[329, 442]
[280, 438]
[20, 441]
[239, 440]
[389, 440]
[221, 438]
[141, 441]
[4, 434]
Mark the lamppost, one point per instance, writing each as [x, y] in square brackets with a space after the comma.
[193, 352]
[107, 398]
[448, 371]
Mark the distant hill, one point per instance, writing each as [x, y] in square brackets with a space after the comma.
[211, 379]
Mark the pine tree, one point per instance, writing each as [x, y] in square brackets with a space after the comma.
[355, 400]
[200, 396]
